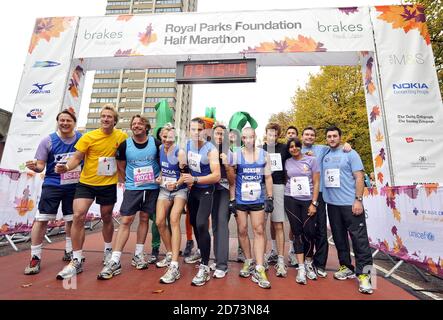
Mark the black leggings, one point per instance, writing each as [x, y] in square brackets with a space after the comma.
[200, 207]
[302, 225]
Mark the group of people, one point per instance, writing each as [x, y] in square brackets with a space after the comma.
[210, 178]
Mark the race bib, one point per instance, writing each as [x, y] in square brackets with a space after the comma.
[167, 180]
[224, 183]
[300, 186]
[276, 164]
[70, 177]
[250, 191]
[332, 178]
[194, 160]
[107, 166]
[143, 175]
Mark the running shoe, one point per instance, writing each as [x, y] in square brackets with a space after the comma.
[364, 284]
[34, 266]
[170, 275]
[259, 277]
[202, 276]
[248, 267]
[166, 261]
[111, 269]
[73, 268]
[194, 258]
[344, 273]
[139, 261]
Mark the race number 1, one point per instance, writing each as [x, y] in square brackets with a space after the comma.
[106, 166]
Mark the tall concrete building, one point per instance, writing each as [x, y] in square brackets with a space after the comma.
[137, 91]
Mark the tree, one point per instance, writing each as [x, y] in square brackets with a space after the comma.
[334, 96]
[284, 119]
[434, 20]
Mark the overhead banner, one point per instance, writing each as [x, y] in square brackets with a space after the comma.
[334, 30]
[407, 222]
[411, 96]
[42, 88]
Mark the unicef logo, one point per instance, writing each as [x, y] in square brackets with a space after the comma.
[430, 236]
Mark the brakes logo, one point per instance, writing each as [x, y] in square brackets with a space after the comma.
[45, 64]
[40, 88]
[35, 114]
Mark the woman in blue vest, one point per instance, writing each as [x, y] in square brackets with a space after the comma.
[204, 168]
[172, 198]
[53, 149]
[138, 166]
[253, 180]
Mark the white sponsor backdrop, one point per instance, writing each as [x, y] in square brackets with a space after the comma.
[407, 222]
[41, 90]
[161, 41]
[411, 95]
[19, 197]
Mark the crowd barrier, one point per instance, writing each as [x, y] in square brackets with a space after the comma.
[19, 197]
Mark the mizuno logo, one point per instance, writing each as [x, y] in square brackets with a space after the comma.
[40, 87]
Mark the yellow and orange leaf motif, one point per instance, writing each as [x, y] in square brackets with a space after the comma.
[378, 161]
[430, 188]
[379, 137]
[48, 28]
[407, 17]
[125, 17]
[397, 215]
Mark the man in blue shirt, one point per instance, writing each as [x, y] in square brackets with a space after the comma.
[343, 192]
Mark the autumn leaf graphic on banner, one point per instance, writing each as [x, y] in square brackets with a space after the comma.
[125, 17]
[380, 158]
[24, 204]
[430, 188]
[407, 17]
[374, 114]
[369, 84]
[74, 82]
[379, 137]
[300, 44]
[348, 10]
[380, 177]
[397, 215]
[148, 36]
[48, 28]
[432, 266]
[410, 191]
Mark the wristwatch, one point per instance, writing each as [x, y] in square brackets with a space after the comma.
[271, 198]
[195, 180]
[358, 198]
[315, 203]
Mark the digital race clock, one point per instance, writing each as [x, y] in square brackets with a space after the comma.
[216, 71]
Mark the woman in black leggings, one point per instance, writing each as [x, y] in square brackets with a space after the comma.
[301, 193]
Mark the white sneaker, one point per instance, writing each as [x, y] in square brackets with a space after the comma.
[301, 276]
[213, 266]
[219, 274]
[310, 272]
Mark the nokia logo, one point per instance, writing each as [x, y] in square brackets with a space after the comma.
[40, 88]
[45, 64]
[410, 85]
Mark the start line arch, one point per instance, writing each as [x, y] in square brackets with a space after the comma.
[391, 43]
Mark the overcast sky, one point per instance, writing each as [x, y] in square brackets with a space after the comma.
[17, 24]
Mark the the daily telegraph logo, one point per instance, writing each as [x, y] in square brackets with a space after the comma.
[410, 88]
[413, 140]
[102, 35]
[35, 114]
[45, 64]
[405, 59]
[40, 88]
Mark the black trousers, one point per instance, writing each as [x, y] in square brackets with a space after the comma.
[302, 225]
[344, 224]
[220, 229]
[200, 207]
[321, 235]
